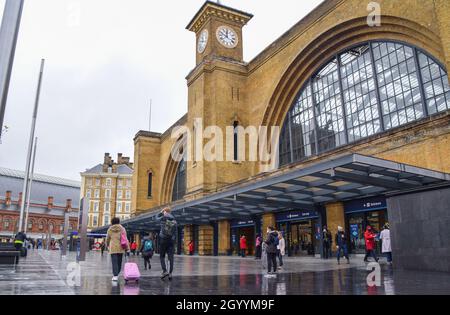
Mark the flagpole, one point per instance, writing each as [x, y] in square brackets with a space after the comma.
[30, 185]
[30, 147]
[150, 117]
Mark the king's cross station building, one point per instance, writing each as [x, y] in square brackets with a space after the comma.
[364, 117]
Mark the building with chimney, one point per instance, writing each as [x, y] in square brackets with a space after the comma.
[50, 198]
[108, 187]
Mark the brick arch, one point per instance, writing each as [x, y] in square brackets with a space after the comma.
[335, 40]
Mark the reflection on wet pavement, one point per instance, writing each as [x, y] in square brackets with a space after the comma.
[45, 272]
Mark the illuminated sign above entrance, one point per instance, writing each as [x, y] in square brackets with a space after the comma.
[368, 204]
[296, 216]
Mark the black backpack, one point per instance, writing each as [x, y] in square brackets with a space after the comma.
[169, 228]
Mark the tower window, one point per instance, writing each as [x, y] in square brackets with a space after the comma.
[235, 143]
[150, 184]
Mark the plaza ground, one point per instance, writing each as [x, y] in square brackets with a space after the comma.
[45, 273]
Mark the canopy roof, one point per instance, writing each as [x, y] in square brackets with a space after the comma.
[343, 178]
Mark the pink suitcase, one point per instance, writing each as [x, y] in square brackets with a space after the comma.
[131, 272]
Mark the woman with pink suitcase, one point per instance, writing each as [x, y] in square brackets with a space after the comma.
[118, 245]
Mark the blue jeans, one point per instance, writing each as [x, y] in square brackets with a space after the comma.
[344, 248]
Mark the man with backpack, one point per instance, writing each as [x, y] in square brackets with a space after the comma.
[147, 251]
[272, 242]
[167, 238]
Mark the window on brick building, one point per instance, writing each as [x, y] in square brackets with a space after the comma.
[120, 194]
[107, 193]
[119, 207]
[97, 193]
[235, 142]
[108, 182]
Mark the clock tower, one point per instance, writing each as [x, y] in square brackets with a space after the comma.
[218, 30]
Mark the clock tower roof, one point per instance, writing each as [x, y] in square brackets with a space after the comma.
[213, 9]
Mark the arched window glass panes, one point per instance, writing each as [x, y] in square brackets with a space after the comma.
[328, 107]
[398, 82]
[436, 86]
[360, 95]
[179, 186]
[363, 91]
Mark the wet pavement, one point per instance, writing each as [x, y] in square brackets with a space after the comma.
[45, 273]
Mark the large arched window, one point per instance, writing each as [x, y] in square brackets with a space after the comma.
[179, 186]
[365, 90]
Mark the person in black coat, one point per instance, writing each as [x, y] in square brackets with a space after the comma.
[327, 241]
[271, 250]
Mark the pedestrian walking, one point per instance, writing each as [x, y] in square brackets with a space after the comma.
[386, 247]
[147, 250]
[133, 248]
[191, 248]
[258, 247]
[103, 247]
[281, 249]
[271, 249]
[167, 237]
[369, 237]
[327, 242]
[118, 244]
[341, 240]
[243, 245]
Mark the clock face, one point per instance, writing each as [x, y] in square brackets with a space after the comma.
[202, 41]
[227, 36]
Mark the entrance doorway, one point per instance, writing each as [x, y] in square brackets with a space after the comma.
[249, 232]
[300, 237]
[356, 225]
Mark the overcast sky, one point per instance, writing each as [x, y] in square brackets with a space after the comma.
[105, 60]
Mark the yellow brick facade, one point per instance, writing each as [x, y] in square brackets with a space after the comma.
[222, 89]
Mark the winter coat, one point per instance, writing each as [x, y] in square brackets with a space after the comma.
[341, 239]
[282, 246]
[327, 237]
[370, 240]
[243, 243]
[271, 242]
[191, 247]
[385, 237]
[113, 239]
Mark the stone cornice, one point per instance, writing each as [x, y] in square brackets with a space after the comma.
[212, 9]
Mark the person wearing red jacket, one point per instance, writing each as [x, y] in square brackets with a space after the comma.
[191, 248]
[369, 236]
[243, 245]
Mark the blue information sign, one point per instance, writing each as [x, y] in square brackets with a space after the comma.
[242, 223]
[363, 205]
[296, 216]
[354, 230]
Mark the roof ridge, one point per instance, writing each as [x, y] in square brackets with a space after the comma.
[40, 177]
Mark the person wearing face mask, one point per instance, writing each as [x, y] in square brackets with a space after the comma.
[327, 241]
[369, 237]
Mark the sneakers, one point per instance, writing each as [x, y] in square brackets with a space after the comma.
[115, 278]
[164, 275]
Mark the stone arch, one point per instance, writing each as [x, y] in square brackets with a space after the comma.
[335, 40]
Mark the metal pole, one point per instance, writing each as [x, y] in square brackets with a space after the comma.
[66, 233]
[30, 146]
[9, 32]
[83, 229]
[30, 185]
